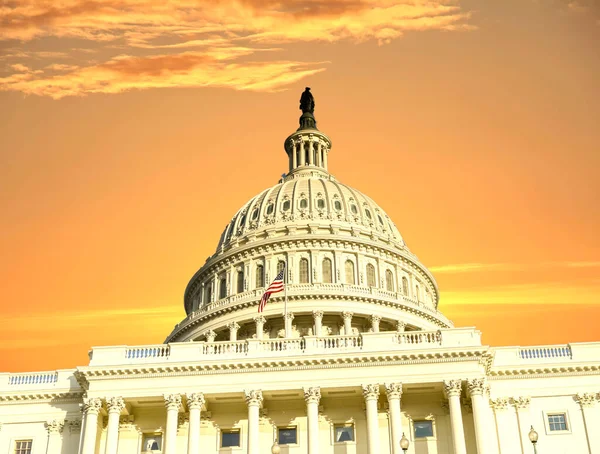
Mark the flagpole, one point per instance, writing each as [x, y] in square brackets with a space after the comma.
[285, 322]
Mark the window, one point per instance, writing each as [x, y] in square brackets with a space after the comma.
[303, 203]
[286, 205]
[343, 432]
[423, 429]
[557, 422]
[151, 442]
[280, 266]
[304, 271]
[242, 220]
[368, 213]
[354, 209]
[389, 281]
[260, 276]
[349, 267]
[23, 446]
[380, 220]
[405, 286]
[255, 214]
[240, 281]
[337, 205]
[287, 435]
[327, 271]
[321, 204]
[230, 437]
[208, 293]
[222, 288]
[370, 275]
[270, 208]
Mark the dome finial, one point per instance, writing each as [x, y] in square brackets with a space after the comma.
[307, 105]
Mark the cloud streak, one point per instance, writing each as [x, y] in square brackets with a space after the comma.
[480, 267]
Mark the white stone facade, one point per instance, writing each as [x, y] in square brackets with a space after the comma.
[367, 358]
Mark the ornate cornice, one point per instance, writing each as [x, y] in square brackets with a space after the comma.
[562, 370]
[55, 397]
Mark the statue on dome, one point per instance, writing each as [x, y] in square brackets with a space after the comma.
[307, 102]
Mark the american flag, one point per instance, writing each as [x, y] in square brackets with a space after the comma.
[275, 287]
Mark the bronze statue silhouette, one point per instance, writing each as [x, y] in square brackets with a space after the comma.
[307, 102]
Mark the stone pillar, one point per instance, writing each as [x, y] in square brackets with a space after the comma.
[325, 157]
[521, 404]
[254, 400]
[371, 394]
[173, 404]
[210, 335]
[114, 406]
[394, 394]
[318, 316]
[477, 391]
[375, 319]
[311, 152]
[302, 152]
[194, 403]
[294, 154]
[54, 429]
[287, 321]
[501, 415]
[312, 397]
[452, 389]
[347, 316]
[91, 408]
[319, 162]
[400, 326]
[233, 329]
[591, 420]
[260, 325]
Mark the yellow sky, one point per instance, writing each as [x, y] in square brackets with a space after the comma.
[132, 130]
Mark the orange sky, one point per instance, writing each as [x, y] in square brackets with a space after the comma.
[131, 131]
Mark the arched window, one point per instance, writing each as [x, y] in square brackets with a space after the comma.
[337, 205]
[405, 286]
[240, 281]
[286, 205]
[280, 266]
[270, 207]
[303, 203]
[321, 203]
[389, 281]
[222, 288]
[208, 293]
[327, 271]
[370, 275]
[368, 213]
[349, 268]
[255, 214]
[304, 271]
[260, 276]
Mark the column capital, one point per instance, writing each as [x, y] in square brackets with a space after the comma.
[393, 390]
[172, 401]
[115, 404]
[453, 387]
[521, 403]
[476, 386]
[233, 326]
[254, 397]
[54, 427]
[195, 401]
[400, 326]
[347, 315]
[318, 314]
[312, 395]
[501, 403]
[92, 405]
[210, 335]
[586, 400]
[371, 391]
[289, 316]
[375, 318]
[260, 319]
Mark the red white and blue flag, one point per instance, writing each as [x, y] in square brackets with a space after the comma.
[276, 286]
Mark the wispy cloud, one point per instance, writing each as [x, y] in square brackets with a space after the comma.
[479, 267]
[225, 27]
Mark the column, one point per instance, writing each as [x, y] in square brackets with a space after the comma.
[54, 428]
[254, 400]
[114, 406]
[400, 326]
[91, 408]
[325, 157]
[453, 391]
[260, 325]
[287, 321]
[318, 152]
[311, 151]
[375, 319]
[233, 329]
[210, 335]
[194, 403]
[318, 317]
[591, 420]
[503, 423]
[523, 421]
[312, 397]
[394, 394]
[302, 151]
[371, 394]
[173, 404]
[294, 154]
[347, 316]
[477, 391]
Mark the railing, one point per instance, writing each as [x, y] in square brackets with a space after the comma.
[338, 342]
[34, 378]
[282, 345]
[546, 352]
[418, 337]
[224, 348]
[149, 351]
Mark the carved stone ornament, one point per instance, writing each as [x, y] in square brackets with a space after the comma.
[453, 387]
[289, 316]
[195, 400]
[126, 422]
[317, 314]
[347, 315]
[260, 320]
[233, 326]
[210, 335]
[400, 326]
[312, 395]
[254, 397]
[92, 405]
[393, 390]
[501, 403]
[586, 400]
[115, 404]
[476, 386]
[521, 403]
[54, 426]
[172, 401]
[370, 391]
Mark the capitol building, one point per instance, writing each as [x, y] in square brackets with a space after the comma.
[354, 357]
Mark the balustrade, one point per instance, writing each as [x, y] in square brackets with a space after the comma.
[224, 348]
[148, 351]
[545, 352]
[279, 345]
[420, 337]
[35, 378]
